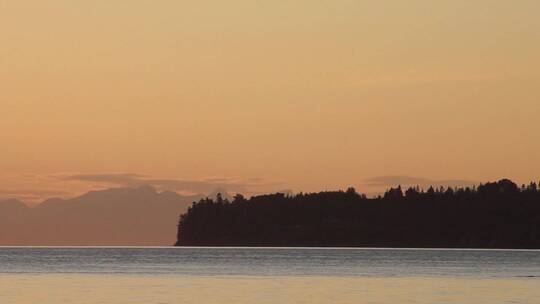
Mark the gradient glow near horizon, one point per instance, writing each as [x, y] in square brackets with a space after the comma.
[307, 95]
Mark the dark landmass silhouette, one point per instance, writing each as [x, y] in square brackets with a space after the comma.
[114, 217]
[492, 215]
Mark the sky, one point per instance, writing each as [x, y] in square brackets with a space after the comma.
[258, 96]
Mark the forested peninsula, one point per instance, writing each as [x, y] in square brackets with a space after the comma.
[492, 215]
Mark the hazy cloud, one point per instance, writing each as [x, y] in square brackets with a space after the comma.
[112, 178]
[31, 192]
[204, 186]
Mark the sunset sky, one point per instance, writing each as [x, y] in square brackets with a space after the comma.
[256, 96]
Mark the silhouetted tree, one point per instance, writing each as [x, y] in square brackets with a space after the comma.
[394, 193]
[493, 215]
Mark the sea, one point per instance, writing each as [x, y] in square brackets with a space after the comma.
[266, 275]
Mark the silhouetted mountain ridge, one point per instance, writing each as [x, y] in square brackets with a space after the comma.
[10, 205]
[117, 216]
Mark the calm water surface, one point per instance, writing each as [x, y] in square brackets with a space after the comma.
[267, 275]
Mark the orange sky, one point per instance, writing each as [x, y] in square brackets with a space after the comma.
[265, 96]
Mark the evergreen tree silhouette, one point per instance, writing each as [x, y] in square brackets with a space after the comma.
[492, 215]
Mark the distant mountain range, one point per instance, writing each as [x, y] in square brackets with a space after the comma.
[120, 216]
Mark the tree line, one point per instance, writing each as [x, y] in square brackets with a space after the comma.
[493, 215]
